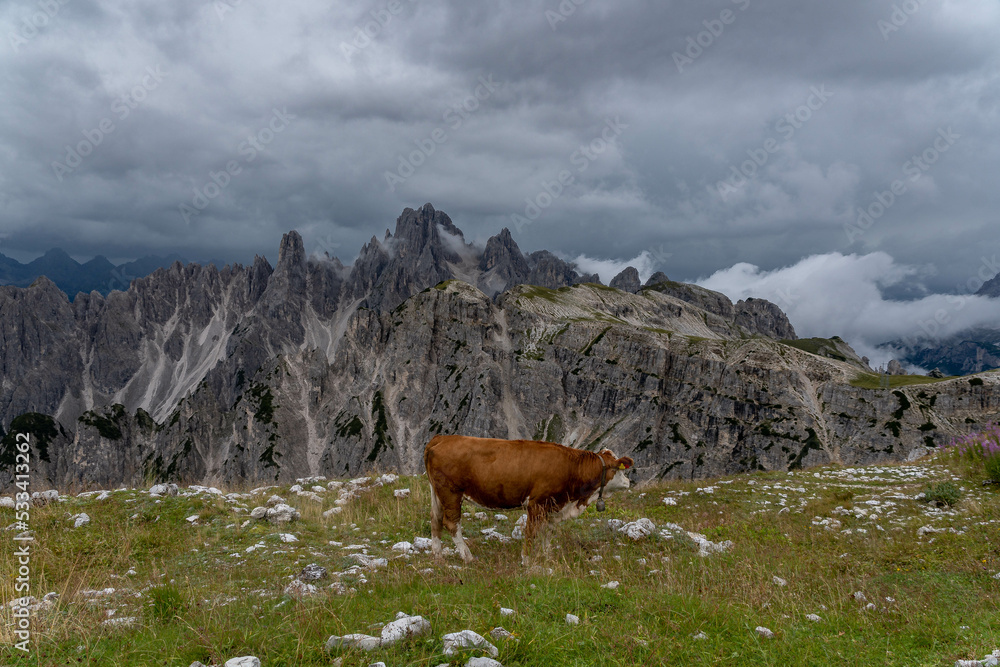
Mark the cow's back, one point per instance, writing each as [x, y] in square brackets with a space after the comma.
[500, 473]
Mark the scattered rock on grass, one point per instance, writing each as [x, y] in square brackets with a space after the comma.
[482, 662]
[403, 547]
[300, 589]
[80, 519]
[361, 641]
[572, 619]
[778, 581]
[404, 626]
[764, 632]
[467, 639]
[42, 498]
[312, 572]
[639, 529]
[245, 661]
[282, 513]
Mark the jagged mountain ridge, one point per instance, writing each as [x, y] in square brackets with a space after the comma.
[196, 373]
[72, 277]
[970, 351]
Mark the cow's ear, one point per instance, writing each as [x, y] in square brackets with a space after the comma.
[624, 463]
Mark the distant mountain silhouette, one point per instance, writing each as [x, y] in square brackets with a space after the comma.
[72, 277]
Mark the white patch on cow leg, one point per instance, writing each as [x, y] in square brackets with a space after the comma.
[437, 516]
[569, 511]
[461, 546]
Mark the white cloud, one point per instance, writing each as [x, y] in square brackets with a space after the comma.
[645, 263]
[842, 295]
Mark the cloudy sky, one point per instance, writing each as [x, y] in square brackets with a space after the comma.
[739, 138]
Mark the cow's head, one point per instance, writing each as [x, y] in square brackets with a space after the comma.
[612, 480]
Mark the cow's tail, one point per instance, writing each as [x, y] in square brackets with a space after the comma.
[437, 512]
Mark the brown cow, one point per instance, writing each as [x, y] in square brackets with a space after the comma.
[551, 481]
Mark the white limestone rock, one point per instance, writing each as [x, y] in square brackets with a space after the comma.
[404, 627]
[467, 639]
[482, 661]
[282, 513]
[639, 529]
[244, 661]
[300, 589]
[403, 547]
[361, 641]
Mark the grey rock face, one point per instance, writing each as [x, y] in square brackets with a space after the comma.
[419, 253]
[549, 271]
[627, 281]
[502, 264]
[895, 368]
[656, 278]
[990, 288]
[763, 317]
[253, 373]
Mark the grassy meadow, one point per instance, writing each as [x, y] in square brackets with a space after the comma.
[843, 543]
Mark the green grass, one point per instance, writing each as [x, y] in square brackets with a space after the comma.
[193, 600]
[872, 380]
[823, 347]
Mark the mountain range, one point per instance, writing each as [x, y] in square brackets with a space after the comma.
[72, 277]
[311, 367]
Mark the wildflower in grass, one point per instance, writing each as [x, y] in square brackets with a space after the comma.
[980, 450]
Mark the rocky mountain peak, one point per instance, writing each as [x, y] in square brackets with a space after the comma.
[762, 316]
[502, 263]
[547, 270]
[502, 250]
[417, 232]
[291, 252]
[627, 280]
[990, 288]
[656, 278]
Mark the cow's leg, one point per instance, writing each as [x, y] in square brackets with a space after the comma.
[451, 509]
[437, 519]
[536, 522]
[547, 529]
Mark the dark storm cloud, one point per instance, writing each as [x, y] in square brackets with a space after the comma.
[480, 108]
